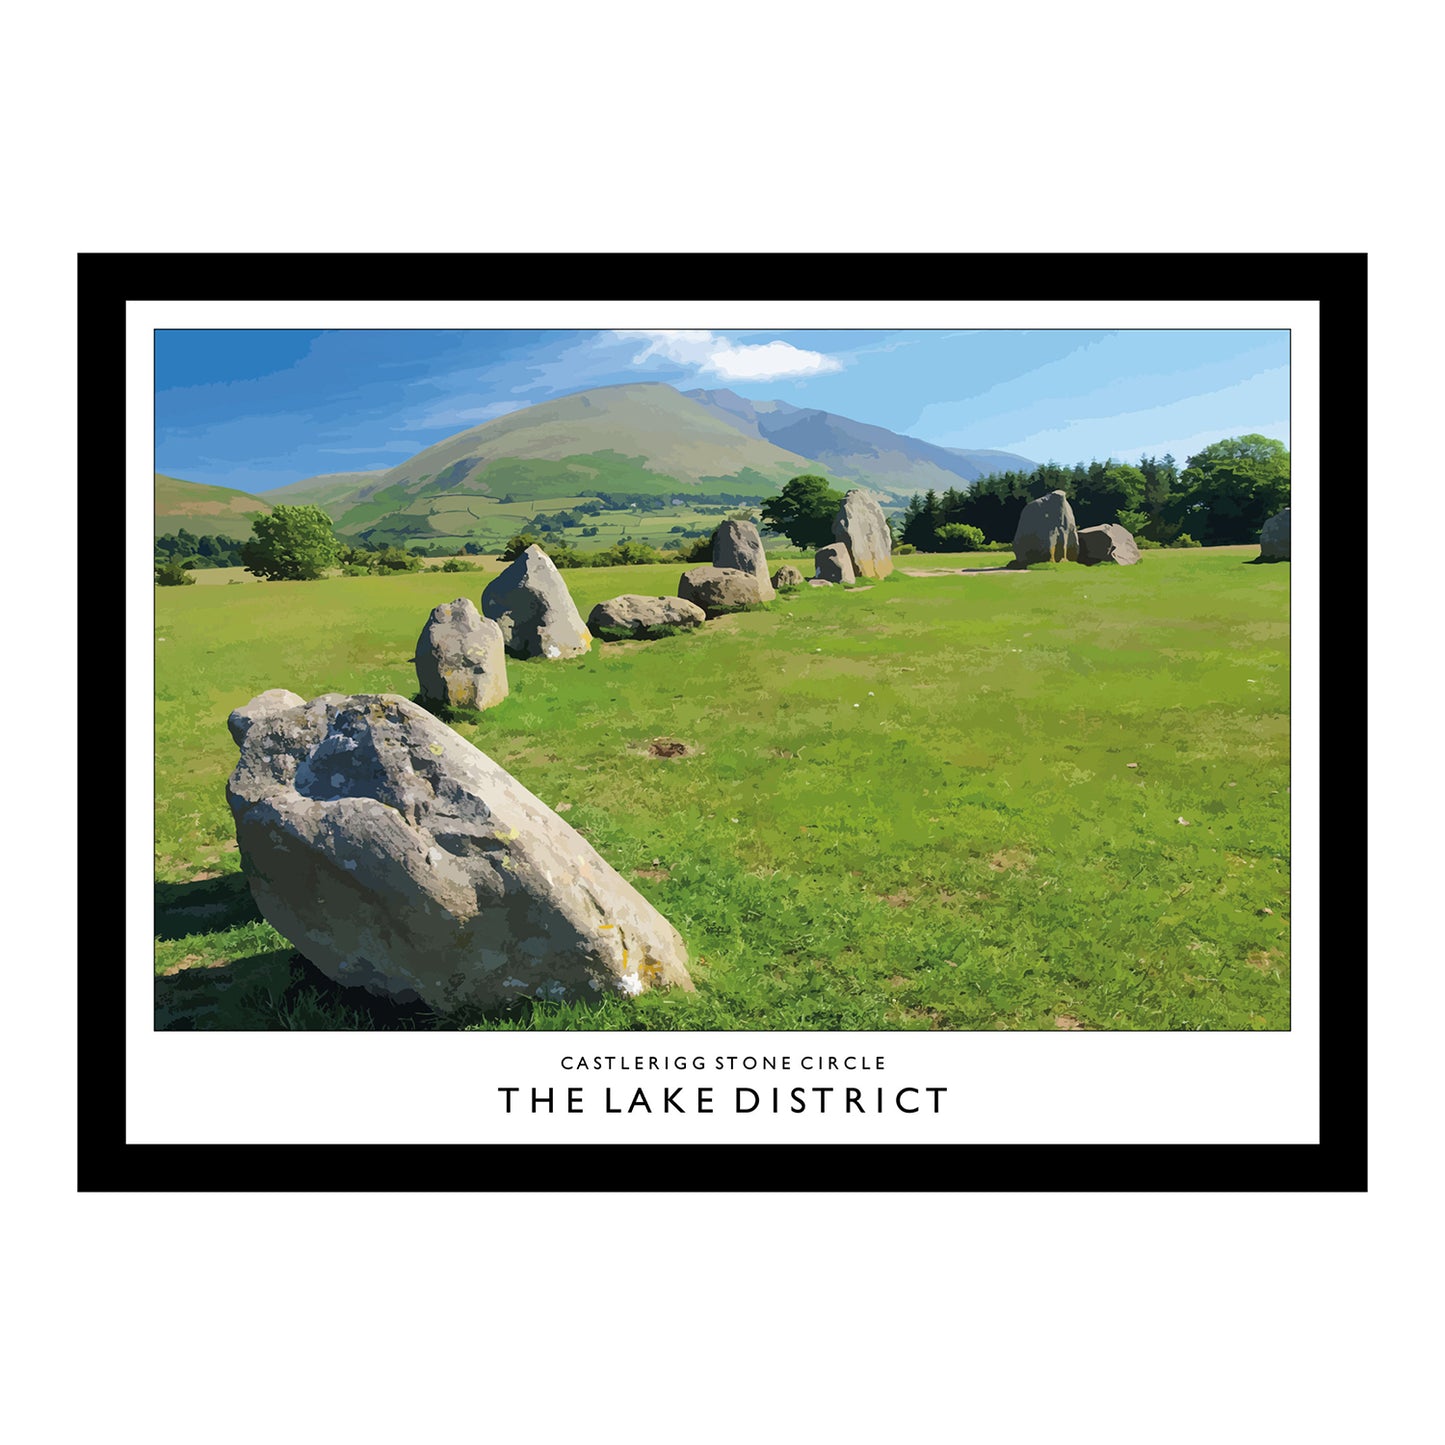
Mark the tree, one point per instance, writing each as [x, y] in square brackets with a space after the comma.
[803, 511]
[519, 544]
[294, 544]
[921, 520]
[1232, 487]
[172, 574]
[1121, 489]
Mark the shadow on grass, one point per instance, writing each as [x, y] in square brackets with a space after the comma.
[1264, 561]
[614, 635]
[280, 991]
[208, 905]
[449, 715]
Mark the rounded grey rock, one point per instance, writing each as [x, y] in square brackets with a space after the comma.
[1046, 531]
[1274, 539]
[397, 857]
[1107, 543]
[832, 564]
[461, 658]
[719, 589]
[641, 616]
[273, 700]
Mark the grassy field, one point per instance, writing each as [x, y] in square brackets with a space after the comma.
[1050, 799]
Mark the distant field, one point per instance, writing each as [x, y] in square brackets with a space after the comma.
[467, 517]
[911, 806]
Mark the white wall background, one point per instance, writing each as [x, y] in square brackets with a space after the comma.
[569, 127]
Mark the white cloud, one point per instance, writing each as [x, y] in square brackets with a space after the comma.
[731, 361]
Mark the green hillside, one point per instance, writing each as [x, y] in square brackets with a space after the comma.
[201, 508]
[333, 491]
[644, 439]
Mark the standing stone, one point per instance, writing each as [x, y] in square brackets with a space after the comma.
[833, 565]
[530, 602]
[1274, 539]
[1107, 543]
[461, 658]
[396, 856]
[861, 527]
[1046, 532]
[787, 576]
[737, 547]
[719, 589]
[643, 616]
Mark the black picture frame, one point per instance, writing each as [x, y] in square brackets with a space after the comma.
[106, 1162]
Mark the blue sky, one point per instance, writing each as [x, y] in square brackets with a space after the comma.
[259, 409]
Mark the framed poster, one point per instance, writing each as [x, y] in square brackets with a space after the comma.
[999, 844]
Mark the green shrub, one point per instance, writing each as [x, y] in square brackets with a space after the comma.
[959, 537]
[1185, 540]
[172, 574]
[904, 549]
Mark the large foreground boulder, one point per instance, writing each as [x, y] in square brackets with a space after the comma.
[1107, 543]
[1046, 532]
[863, 529]
[1274, 539]
[530, 602]
[396, 856]
[461, 659]
[737, 547]
[720, 589]
[273, 700]
[832, 564]
[787, 577]
[639, 616]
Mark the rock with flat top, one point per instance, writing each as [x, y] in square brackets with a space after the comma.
[719, 589]
[1107, 543]
[637, 616]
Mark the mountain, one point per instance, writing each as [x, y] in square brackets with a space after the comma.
[878, 458]
[701, 449]
[643, 438]
[201, 508]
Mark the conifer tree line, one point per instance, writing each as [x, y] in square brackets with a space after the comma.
[1223, 495]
